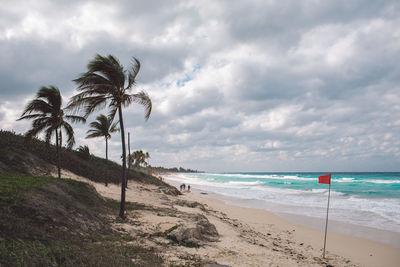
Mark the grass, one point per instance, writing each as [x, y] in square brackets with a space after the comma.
[13, 186]
[16, 153]
[76, 253]
[47, 221]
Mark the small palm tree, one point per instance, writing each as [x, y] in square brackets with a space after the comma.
[106, 82]
[48, 116]
[138, 158]
[102, 127]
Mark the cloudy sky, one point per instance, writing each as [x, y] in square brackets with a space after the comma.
[249, 85]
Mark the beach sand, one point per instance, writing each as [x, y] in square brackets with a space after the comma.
[247, 236]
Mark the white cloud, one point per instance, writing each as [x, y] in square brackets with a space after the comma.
[235, 86]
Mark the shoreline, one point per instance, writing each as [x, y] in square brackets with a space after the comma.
[370, 233]
[359, 250]
[387, 237]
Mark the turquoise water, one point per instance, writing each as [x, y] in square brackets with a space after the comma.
[369, 199]
[370, 185]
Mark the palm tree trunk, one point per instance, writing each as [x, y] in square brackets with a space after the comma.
[106, 182]
[129, 153]
[58, 155]
[123, 182]
[60, 139]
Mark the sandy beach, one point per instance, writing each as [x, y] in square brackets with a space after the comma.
[246, 236]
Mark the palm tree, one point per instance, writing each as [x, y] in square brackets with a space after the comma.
[138, 158]
[48, 116]
[106, 82]
[102, 127]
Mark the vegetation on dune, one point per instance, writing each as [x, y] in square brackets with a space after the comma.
[102, 127]
[46, 221]
[49, 117]
[84, 151]
[107, 83]
[18, 154]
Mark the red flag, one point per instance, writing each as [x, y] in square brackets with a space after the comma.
[324, 179]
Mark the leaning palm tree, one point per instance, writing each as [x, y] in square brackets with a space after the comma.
[106, 82]
[102, 127]
[48, 116]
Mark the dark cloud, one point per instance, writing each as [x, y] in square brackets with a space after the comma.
[255, 85]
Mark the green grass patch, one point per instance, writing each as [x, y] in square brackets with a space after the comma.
[47, 221]
[75, 253]
[13, 186]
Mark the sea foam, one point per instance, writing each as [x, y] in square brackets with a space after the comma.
[368, 199]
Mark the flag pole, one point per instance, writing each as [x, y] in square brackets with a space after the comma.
[326, 224]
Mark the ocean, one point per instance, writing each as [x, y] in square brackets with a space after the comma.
[366, 199]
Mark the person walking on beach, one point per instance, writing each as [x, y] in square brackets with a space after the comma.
[189, 187]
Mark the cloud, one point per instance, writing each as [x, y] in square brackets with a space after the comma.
[244, 86]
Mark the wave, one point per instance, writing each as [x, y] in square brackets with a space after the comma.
[383, 181]
[245, 183]
[326, 192]
[287, 177]
[258, 176]
[344, 180]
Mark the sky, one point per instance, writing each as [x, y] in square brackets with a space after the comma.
[255, 85]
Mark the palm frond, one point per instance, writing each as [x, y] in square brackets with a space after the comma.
[91, 78]
[86, 103]
[94, 103]
[75, 118]
[52, 95]
[114, 128]
[70, 133]
[141, 98]
[35, 130]
[109, 67]
[103, 121]
[49, 133]
[37, 105]
[112, 112]
[93, 134]
[42, 122]
[133, 72]
[31, 116]
[96, 125]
